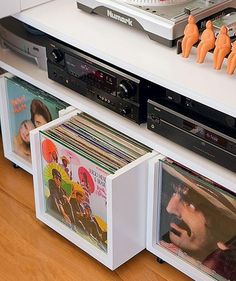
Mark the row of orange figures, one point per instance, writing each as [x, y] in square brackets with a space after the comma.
[222, 44]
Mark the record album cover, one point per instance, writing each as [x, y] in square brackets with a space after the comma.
[197, 221]
[28, 108]
[75, 191]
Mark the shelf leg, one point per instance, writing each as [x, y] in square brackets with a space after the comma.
[159, 260]
[15, 166]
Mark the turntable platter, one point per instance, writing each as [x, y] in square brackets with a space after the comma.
[179, 10]
[154, 3]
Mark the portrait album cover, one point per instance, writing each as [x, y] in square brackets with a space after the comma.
[75, 190]
[28, 108]
[197, 220]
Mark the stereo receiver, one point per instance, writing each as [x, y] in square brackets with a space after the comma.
[116, 89]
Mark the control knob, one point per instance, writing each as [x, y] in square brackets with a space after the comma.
[126, 89]
[230, 121]
[57, 55]
[125, 111]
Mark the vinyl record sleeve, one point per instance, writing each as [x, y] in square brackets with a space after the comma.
[197, 221]
[28, 108]
[74, 191]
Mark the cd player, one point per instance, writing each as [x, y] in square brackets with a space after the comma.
[191, 129]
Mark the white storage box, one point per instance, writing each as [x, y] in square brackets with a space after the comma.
[191, 221]
[125, 195]
[17, 101]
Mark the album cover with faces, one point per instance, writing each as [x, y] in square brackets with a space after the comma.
[28, 108]
[197, 221]
[74, 191]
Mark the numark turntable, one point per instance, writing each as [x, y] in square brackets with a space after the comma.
[163, 20]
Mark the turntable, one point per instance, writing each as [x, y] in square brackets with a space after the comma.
[163, 20]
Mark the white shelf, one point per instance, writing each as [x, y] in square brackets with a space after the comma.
[135, 52]
[28, 71]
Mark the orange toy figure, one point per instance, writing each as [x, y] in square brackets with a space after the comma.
[231, 62]
[191, 36]
[207, 42]
[222, 47]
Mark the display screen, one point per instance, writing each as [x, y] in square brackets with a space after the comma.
[90, 74]
[204, 134]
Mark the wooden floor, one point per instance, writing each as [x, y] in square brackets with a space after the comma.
[31, 251]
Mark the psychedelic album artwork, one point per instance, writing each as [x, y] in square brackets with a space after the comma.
[75, 191]
[197, 221]
[28, 108]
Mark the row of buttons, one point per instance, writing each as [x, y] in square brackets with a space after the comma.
[95, 82]
[105, 100]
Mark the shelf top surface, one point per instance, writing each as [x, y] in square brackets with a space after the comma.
[132, 50]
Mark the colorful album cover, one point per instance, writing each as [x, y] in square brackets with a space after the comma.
[197, 221]
[28, 108]
[75, 191]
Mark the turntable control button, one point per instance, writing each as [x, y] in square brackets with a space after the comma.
[126, 89]
[56, 55]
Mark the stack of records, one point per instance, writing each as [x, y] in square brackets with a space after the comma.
[97, 142]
